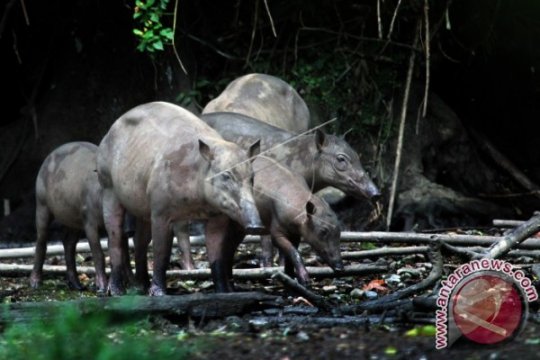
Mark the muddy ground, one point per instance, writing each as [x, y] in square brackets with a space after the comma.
[253, 336]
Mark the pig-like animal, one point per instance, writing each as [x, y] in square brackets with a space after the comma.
[321, 159]
[163, 164]
[266, 98]
[68, 191]
[290, 211]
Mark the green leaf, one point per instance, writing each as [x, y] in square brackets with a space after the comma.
[148, 35]
[412, 332]
[158, 45]
[166, 33]
[426, 330]
[150, 3]
[141, 47]
[138, 32]
[154, 17]
[164, 4]
[390, 350]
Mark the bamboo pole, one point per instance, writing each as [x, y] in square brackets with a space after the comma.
[346, 237]
[202, 274]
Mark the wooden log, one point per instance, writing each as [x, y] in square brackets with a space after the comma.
[418, 238]
[514, 238]
[202, 274]
[384, 251]
[346, 236]
[507, 223]
[194, 305]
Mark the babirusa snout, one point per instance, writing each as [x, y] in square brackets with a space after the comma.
[365, 187]
[250, 217]
[337, 265]
[373, 193]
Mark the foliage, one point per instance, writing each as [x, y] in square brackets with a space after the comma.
[346, 88]
[151, 32]
[69, 335]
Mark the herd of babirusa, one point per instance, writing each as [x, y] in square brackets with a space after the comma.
[247, 165]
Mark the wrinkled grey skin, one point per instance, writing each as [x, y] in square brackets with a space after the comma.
[322, 159]
[68, 191]
[290, 212]
[266, 98]
[163, 164]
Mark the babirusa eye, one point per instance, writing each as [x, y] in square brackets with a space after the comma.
[226, 176]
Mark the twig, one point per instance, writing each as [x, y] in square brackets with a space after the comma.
[463, 252]
[401, 132]
[207, 44]
[293, 285]
[270, 17]
[255, 19]
[173, 42]
[391, 29]
[427, 40]
[361, 38]
[25, 13]
[379, 22]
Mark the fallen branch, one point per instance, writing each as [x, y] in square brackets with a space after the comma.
[507, 223]
[384, 251]
[323, 321]
[515, 237]
[202, 274]
[346, 236]
[417, 238]
[193, 305]
[292, 284]
[465, 253]
[472, 252]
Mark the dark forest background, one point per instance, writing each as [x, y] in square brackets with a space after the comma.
[69, 69]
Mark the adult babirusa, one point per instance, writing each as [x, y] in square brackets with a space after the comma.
[163, 164]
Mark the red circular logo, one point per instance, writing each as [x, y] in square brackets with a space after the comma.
[488, 309]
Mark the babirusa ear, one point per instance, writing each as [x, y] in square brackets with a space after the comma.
[310, 208]
[254, 149]
[320, 139]
[206, 152]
